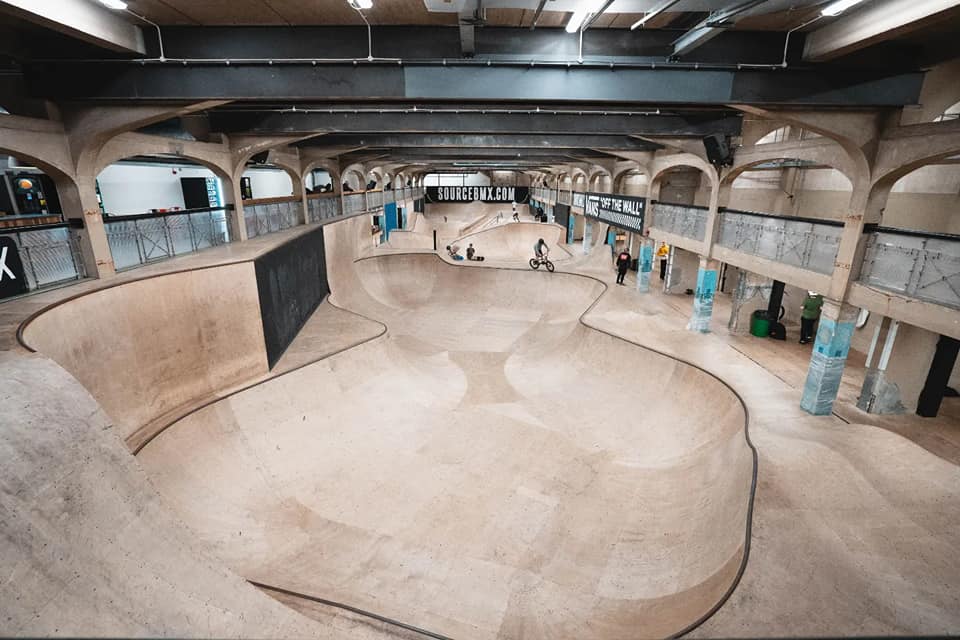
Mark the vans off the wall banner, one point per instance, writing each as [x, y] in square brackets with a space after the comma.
[519, 195]
[626, 212]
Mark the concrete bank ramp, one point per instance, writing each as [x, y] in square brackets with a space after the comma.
[491, 468]
[512, 242]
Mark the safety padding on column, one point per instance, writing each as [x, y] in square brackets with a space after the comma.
[291, 283]
[826, 364]
[703, 300]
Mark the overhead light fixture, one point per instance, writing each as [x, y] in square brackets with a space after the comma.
[836, 8]
[116, 5]
[361, 4]
[576, 20]
[585, 8]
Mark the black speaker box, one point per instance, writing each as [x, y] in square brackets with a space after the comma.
[718, 150]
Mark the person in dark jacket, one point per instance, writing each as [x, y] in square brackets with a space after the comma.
[623, 263]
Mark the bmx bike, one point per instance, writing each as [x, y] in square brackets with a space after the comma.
[535, 263]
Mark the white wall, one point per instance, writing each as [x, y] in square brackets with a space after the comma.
[456, 180]
[138, 188]
[269, 183]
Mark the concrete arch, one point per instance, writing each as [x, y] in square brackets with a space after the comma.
[668, 163]
[357, 173]
[624, 177]
[128, 145]
[327, 165]
[55, 170]
[730, 177]
[900, 157]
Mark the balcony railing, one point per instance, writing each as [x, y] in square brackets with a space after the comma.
[564, 197]
[142, 239]
[270, 216]
[374, 199]
[322, 207]
[50, 254]
[353, 202]
[920, 265]
[800, 242]
[687, 221]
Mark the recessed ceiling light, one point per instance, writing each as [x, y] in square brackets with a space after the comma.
[838, 7]
[116, 5]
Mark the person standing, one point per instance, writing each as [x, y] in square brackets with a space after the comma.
[662, 252]
[623, 263]
[809, 315]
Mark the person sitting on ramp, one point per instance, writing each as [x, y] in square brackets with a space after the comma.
[454, 252]
[472, 254]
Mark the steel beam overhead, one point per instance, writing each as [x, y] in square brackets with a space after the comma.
[474, 82]
[459, 141]
[81, 19]
[493, 123]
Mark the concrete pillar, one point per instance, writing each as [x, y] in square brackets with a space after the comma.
[645, 260]
[301, 192]
[830, 349]
[864, 208]
[232, 195]
[703, 295]
[81, 207]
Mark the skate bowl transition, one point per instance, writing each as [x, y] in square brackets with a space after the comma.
[483, 464]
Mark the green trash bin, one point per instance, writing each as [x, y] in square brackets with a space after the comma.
[760, 323]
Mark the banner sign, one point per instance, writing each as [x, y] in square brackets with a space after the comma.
[625, 212]
[578, 199]
[13, 279]
[485, 194]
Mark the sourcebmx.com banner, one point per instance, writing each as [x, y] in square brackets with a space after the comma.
[483, 194]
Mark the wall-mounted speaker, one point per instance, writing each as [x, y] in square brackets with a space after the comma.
[718, 150]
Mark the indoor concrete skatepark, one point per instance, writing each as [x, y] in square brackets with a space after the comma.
[472, 501]
[247, 393]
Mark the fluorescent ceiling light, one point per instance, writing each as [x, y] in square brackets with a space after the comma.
[361, 4]
[117, 5]
[576, 20]
[836, 8]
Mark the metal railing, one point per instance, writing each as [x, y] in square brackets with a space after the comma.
[353, 202]
[374, 199]
[564, 197]
[323, 208]
[920, 265]
[50, 254]
[138, 240]
[262, 218]
[800, 242]
[389, 195]
[683, 220]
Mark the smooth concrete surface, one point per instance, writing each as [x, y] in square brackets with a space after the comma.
[147, 347]
[446, 475]
[854, 527]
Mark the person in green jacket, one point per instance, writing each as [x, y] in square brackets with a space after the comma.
[809, 315]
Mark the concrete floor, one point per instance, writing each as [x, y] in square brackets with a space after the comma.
[855, 528]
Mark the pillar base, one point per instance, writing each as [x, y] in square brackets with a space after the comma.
[646, 266]
[829, 358]
[703, 297]
[879, 395]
